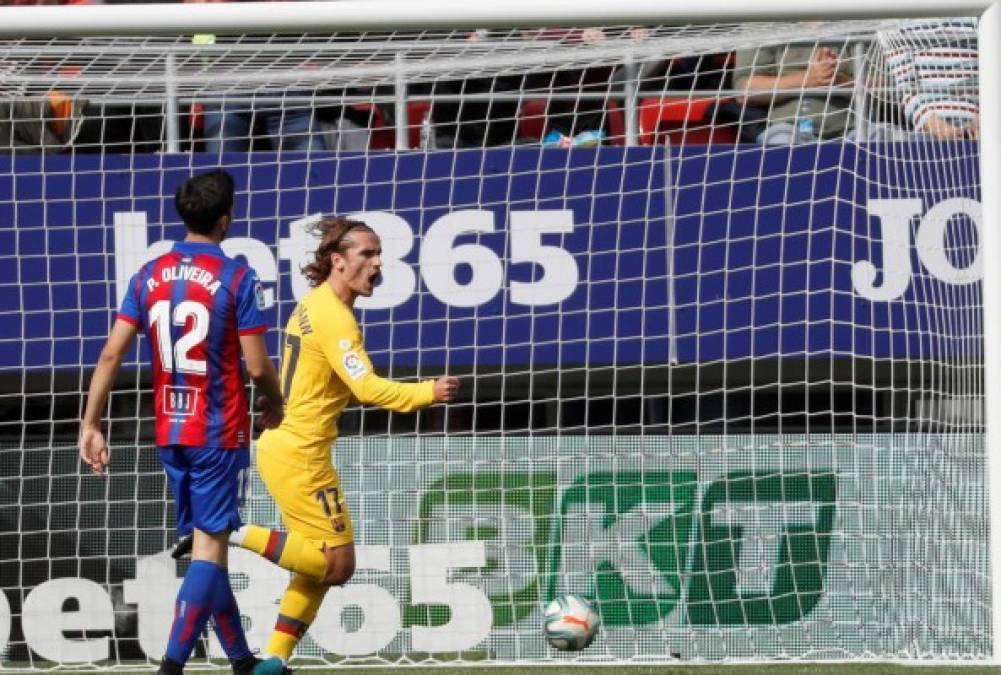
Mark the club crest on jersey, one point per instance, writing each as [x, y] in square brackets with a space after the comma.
[338, 524]
[354, 365]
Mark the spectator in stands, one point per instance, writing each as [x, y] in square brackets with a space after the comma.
[357, 118]
[574, 121]
[935, 70]
[347, 127]
[62, 120]
[40, 125]
[765, 72]
[229, 125]
[469, 123]
[473, 123]
[32, 123]
[682, 74]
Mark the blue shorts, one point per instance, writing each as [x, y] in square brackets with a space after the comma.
[208, 486]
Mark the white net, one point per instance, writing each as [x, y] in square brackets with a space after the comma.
[713, 295]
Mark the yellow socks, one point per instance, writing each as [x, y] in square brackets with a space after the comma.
[286, 549]
[295, 614]
[304, 593]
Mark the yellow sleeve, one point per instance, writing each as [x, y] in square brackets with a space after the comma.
[342, 345]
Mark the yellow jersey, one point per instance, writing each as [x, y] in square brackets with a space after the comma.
[324, 365]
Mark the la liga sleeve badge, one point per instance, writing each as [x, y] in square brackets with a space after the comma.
[354, 366]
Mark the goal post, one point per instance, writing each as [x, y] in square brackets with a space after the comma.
[725, 337]
[354, 15]
[990, 93]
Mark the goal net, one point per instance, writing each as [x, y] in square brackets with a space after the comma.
[713, 293]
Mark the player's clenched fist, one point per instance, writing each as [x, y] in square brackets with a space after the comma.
[445, 389]
[271, 415]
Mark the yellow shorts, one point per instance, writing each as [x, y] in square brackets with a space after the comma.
[311, 501]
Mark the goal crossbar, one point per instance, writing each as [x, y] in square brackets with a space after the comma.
[314, 16]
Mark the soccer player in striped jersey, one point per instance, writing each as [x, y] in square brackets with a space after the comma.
[324, 367]
[199, 310]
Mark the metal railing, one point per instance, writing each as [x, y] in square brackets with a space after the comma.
[627, 89]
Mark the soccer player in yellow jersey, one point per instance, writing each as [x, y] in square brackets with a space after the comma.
[324, 367]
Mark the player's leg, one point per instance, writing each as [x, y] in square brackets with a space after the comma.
[314, 511]
[195, 599]
[313, 507]
[193, 603]
[207, 485]
[299, 605]
[288, 550]
[229, 630]
[205, 593]
[217, 486]
[296, 612]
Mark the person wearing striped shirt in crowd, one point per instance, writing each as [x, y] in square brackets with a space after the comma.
[935, 70]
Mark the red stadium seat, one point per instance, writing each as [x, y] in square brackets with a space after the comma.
[532, 119]
[681, 120]
[383, 137]
[196, 116]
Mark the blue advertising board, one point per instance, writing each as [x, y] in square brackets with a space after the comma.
[506, 258]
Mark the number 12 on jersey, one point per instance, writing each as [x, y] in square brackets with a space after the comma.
[178, 355]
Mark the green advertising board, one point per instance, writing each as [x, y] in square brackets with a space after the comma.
[708, 547]
[701, 548]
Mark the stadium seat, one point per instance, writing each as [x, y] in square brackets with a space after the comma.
[383, 137]
[196, 117]
[681, 120]
[532, 119]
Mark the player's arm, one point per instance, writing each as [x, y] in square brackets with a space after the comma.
[262, 371]
[404, 396]
[251, 326]
[443, 390]
[355, 370]
[93, 449]
[346, 354]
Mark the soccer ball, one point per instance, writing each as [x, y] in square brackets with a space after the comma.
[570, 623]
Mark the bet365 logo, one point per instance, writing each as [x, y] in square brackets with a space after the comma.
[755, 552]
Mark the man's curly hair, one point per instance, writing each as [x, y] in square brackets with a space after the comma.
[332, 233]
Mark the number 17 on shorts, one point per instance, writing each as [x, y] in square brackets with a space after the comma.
[333, 506]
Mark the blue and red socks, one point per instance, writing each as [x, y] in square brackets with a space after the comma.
[226, 620]
[193, 608]
[206, 592]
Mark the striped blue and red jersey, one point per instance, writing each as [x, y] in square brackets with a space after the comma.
[194, 303]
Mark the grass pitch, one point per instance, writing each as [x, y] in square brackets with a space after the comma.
[708, 669]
